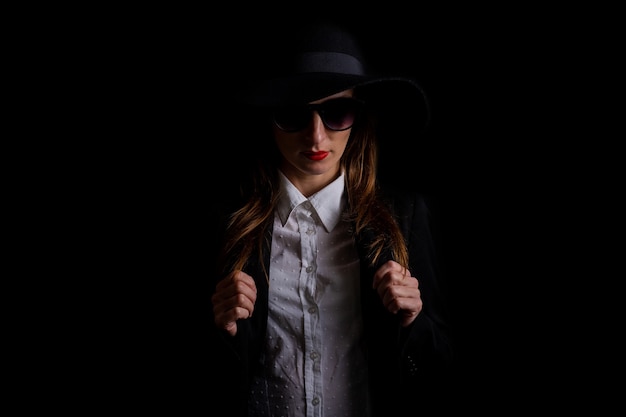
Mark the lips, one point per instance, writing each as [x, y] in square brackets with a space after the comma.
[316, 156]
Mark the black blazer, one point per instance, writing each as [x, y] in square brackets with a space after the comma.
[409, 367]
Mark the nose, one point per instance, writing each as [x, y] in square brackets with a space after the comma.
[317, 127]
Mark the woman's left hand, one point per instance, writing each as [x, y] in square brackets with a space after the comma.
[399, 291]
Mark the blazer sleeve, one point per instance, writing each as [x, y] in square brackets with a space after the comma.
[427, 351]
[423, 351]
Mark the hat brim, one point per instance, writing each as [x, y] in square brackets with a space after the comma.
[305, 88]
[385, 95]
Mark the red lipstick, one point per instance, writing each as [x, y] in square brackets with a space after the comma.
[316, 156]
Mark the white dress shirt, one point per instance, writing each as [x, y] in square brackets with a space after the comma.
[314, 362]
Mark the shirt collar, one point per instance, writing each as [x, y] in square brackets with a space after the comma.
[329, 202]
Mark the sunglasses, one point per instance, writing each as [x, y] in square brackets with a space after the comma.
[336, 114]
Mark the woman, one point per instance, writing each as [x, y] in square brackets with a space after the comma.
[325, 299]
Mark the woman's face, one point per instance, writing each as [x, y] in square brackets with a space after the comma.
[311, 156]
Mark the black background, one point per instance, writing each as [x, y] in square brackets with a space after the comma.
[160, 152]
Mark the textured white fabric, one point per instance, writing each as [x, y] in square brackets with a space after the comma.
[314, 362]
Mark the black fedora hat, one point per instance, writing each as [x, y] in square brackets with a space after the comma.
[320, 59]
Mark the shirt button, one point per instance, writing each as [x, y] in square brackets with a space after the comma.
[310, 231]
[312, 310]
[314, 355]
[309, 268]
[316, 401]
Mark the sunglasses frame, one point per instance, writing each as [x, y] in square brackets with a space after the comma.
[320, 109]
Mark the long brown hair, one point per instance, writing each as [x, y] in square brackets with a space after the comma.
[249, 226]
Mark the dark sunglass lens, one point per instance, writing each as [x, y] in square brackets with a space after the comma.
[292, 119]
[339, 114]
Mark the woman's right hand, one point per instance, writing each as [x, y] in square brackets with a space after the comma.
[234, 299]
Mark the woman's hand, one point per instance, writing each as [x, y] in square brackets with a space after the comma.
[399, 291]
[234, 299]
